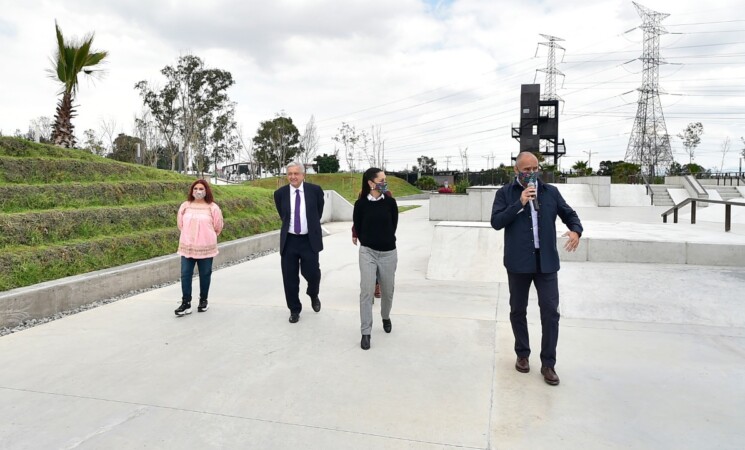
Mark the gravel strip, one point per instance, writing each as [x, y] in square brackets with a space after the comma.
[34, 322]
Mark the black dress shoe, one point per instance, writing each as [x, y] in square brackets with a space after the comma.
[522, 365]
[365, 343]
[549, 375]
[294, 318]
[316, 304]
[387, 326]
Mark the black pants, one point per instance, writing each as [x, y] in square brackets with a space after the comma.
[547, 285]
[299, 256]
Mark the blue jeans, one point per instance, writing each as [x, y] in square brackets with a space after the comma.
[187, 272]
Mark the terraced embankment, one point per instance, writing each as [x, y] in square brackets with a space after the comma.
[66, 212]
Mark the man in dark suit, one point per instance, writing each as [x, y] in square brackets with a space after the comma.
[300, 205]
[527, 208]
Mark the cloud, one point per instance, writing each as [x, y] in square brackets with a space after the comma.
[438, 75]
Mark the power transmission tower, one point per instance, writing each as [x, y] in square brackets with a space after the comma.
[649, 143]
[447, 163]
[549, 86]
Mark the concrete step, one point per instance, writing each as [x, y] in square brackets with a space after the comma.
[663, 202]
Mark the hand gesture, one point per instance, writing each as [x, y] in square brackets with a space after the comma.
[572, 241]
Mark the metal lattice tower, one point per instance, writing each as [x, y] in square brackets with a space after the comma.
[649, 143]
[549, 87]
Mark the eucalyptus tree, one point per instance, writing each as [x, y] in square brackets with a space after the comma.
[194, 108]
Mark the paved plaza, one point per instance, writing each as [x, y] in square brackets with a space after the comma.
[650, 356]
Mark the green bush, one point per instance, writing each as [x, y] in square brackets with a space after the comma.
[461, 186]
[426, 183]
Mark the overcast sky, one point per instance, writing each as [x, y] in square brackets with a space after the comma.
[437, 76]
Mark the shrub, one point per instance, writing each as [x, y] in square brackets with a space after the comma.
[461, 186]
[426, 183]
[445, 190]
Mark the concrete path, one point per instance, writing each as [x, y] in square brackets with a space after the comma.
[650, 356]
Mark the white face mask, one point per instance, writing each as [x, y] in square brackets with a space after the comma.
[199, 195]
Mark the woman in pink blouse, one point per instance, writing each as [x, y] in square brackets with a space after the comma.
[200, 221]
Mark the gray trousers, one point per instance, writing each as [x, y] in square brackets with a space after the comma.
[383, 266]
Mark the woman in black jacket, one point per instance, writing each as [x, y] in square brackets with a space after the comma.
[375, 220]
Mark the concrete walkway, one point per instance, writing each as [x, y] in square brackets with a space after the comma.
[650, 356]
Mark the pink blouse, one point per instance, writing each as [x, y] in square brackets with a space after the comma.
[200, 224]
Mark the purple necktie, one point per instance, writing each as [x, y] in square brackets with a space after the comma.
[297, 211]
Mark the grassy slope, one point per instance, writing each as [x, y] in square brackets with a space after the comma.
[65, 212]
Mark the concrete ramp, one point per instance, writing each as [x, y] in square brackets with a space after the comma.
[577, 194]
[628, 195]
[466, 251]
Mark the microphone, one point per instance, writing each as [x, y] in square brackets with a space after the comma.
[533, 201]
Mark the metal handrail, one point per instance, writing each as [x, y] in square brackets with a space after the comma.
[650, 192]
[692, 201]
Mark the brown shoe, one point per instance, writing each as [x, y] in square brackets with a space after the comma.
[549, 375]
[522, 365]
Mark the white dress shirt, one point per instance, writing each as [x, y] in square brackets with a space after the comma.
[303, 218]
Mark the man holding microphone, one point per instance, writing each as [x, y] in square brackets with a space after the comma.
[527, 209]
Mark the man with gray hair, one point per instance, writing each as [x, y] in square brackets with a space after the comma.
[300, 206]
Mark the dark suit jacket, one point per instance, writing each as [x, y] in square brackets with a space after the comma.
[519, 246]
[313, 210]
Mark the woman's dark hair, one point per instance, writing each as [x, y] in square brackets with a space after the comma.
[208, 192]
[369, 175]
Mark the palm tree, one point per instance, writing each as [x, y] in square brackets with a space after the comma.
[69, 60]
[581, 168]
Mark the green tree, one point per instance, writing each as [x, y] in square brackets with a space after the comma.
[71, 58]
[691, 137]
[326, 163]
[125, 148]
[194, 106]
[276, 142]
[607, 167]
[675, 169]
[581, 168]
[426, 164]
[165, 111]
[93, 144]
[348, 136]
[624, 171]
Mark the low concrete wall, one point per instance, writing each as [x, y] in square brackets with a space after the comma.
[474, 206]
[471, 251]
[51, 297]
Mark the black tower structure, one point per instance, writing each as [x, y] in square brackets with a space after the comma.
[538, 131]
